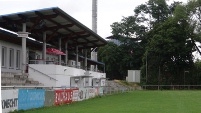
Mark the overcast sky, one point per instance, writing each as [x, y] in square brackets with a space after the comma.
[109, 11]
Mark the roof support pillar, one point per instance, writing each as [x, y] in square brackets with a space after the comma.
[44, 48]
[96, 68]
[0, 57]
[24, 50]
[76, 62]
[104, 68]
[66, 52]
[59, 50]
[85, 60]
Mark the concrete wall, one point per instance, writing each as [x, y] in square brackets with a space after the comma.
[41, 78]
[63, 80]
[95, 76]
[49, 98]
[71, 71]
[76, 83]
[61, 73]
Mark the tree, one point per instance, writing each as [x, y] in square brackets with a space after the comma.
[169, 52]
[194, 18]
[196, 74]
[107, 54]
[128, 28]
[119, 59]
[153, 12]
[159, 35]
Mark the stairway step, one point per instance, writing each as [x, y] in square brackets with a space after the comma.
[7, 74]
[20, 75]
[18, 79]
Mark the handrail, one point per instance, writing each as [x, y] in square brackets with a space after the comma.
[42, 73]
[50, 87]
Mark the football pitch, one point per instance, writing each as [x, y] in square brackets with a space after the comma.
[133, 102]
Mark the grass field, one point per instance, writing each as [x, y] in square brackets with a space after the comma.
[134, 102]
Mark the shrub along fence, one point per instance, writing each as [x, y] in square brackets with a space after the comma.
[27, 97]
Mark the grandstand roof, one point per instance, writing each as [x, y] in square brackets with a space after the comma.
[57, 24]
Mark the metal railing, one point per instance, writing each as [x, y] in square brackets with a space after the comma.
[110, 90]
[107, 90]
[41, 61]
[171, 87]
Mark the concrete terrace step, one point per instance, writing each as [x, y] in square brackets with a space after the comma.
[32, 82]
[18, 79]
[20, 75]
[25, 84]
[116, 86]
[7, 74]
[5, 80]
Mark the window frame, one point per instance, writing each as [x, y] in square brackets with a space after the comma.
[18, 59]
[11, 58]
[3, 56]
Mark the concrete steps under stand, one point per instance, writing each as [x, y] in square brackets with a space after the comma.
[115, 86]
[7, 74]
[17, 79]
[20, 75]
[5, 80]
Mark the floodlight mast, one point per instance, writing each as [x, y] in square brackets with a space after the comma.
[94, 29]
[94, 16]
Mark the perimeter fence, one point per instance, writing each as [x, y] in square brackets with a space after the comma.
[171, 87]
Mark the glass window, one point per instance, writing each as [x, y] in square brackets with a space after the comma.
[18, 59]
[3, 57]
[38, 57]
[11, 58]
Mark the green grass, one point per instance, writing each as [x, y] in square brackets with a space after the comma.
[134, 102]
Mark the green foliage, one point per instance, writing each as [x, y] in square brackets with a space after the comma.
[162, 38]
[170, 51]
[119, 59]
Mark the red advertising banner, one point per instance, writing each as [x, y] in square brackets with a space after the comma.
[63, 96]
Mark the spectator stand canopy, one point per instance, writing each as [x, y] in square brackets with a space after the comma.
[57, 25]
[54, 51]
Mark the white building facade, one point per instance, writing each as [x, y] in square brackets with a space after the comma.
[28, 56]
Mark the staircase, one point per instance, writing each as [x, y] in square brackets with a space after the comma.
[17, 79]
[113, 87]
[116, 86]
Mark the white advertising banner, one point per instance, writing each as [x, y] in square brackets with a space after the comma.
[9, 100]
[83, 94]
[75, 94]
[92, 92]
